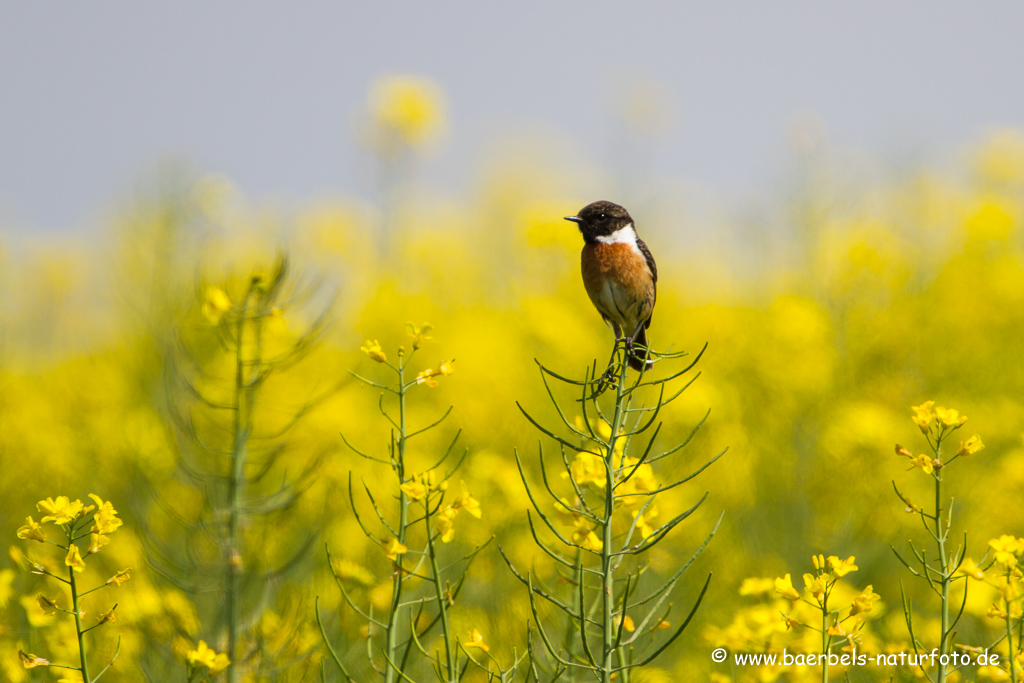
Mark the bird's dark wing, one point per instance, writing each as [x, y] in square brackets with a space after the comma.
[647, 256]
[654, 272]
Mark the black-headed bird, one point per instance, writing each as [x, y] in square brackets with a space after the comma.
[619, 274]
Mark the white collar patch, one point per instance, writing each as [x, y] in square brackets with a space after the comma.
[625, 235]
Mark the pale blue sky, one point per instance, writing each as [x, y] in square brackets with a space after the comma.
[93, 95]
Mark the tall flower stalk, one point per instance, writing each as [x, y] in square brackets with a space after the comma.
[937, 424]
[840, 625]
[1005, 568]
[608, 502]
[412, 537]
[74, 520]
[235, 447]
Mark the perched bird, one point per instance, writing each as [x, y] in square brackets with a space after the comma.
[619, 274]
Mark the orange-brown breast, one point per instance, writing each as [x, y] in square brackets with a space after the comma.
[619, 283]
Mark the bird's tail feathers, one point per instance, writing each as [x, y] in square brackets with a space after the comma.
[638, 352]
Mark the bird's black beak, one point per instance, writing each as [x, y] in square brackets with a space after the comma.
[574, 219]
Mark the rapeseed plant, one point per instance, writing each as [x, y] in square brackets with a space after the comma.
[937, 425]
[1002, 572]
[822, 628]
[832, 625]
[229, 441]
[411, 538]
[609, 503]
[404, 115]
[73, 519]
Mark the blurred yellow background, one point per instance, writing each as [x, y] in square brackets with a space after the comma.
[872, 297]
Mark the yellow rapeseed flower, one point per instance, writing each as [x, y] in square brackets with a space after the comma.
[444, 369]
[373, 350]
[949, 417]
[414, 489]
[924, 415]
[476, 639]
[201, 655]
[446, 524]
[815, 585]
[1007, 548]
[407, 107]
[784, 587]
[924, 462]
[971, 446]
[842, 567]
[994, 611]
[59, 511]
[105, 521]
[30, 531]
[96, 542]
[643, 522]
[419, 333]
[121, 576]
[585, 537]
[30, 661]
[105, 514]
[467, 502]
[588, 468]
[425, 378]
[48, 605]
[970, 569]
[627, 623]
[220, 662]
[836, 630]
[215, 304]
[865, 602]
[204, 655]
[392, 549]
[593, 542]
[641, 481]
[74, 559]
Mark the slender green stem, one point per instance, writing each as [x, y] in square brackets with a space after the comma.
[442, 606]
[944, 574]
[239, 454]
[403, 520]
[1009, 639]
[77, 607]
[607, 571]
[824, 637]
[579, 606]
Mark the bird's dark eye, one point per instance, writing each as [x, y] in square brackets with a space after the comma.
[602, 217]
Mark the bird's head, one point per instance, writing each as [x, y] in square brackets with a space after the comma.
[600, 219]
